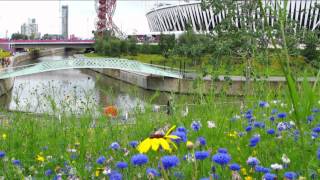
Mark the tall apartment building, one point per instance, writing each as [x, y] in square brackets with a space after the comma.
[65, 16]
[30, 29]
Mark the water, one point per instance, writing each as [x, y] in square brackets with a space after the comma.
[74, 91]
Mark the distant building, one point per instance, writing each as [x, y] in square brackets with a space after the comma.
[52, 37]
[65, 16]
[30, 29]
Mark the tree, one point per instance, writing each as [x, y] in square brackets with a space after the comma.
[191, 45]
[166, 44]
[18, 36]
[133, 49]
[310, 51]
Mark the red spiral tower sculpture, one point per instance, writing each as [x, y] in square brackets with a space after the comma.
[105, 10]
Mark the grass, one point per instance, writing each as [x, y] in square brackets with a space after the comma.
[70, 145]
[226, 65]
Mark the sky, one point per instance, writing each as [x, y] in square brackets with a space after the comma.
[129, 15]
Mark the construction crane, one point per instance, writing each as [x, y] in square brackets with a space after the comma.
[105, 11]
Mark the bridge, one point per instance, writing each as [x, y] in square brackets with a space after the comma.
[15, 44]
[82, 62]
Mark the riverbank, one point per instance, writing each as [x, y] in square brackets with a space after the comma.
[192, 83]
[7, 84]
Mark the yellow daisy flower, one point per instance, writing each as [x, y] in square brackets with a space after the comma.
[40, 158]
[156, 141]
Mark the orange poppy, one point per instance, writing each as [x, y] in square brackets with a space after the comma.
[110, 111]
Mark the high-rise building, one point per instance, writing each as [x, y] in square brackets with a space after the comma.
[65, 23]
[30, 29]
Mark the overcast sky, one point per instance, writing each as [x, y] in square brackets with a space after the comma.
[129, 15]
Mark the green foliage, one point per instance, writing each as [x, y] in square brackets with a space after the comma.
[133, 48]
[192, 46]
[167, 44]
[4, 54]
[310, 52]
[18, 36]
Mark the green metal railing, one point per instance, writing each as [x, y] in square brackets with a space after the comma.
[80, 62]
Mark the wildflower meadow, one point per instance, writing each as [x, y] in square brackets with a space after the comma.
[256, 139]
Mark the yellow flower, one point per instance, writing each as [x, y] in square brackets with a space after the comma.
[189, 144]
[233, 134]
[4, 136]
[40, 158]
[238, 148]
[98, 171]
[244, 171]
[248, 178]
[254, 153]
[158, 140]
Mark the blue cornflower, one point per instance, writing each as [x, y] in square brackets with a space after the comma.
[253, 161]
[133, 144]
[248, 115]
[152, 172]
[316, 129]
[263, 104]
[271, 131]
[249, 128]
[310, 118]
[114, 175]
[182, 136]
[201, 155]
[290, 175]
[269, 176]
[178, 175]
[314, 135]
[196, 125]
[282, 115]
[205, 178]
[259, 124]
[168, 162]
[16, 162]
[274, 111]
[202, 141]
[315, 110]
[2, 154]
[182, 129]
[122, 165]
[48, 172]
[282, 126]
[318, 154]
[254, 140]
[234, 167]
[272, 118]
[223, 150]
[101, 160]
[262, 169]
[221, 158]
[115, 146]
[139, 159]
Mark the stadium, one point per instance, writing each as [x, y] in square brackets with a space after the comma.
[176, 17]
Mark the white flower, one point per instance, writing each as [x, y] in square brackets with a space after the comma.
[156, 108]
[285, 159]
[236, 116]
[276, 166]
[283, 105]
[211, 124]
[71, 150]
[292, 123]
[106, 171]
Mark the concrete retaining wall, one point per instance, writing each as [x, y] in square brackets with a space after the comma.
[236, 85]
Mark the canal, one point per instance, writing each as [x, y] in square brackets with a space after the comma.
[75, 91]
